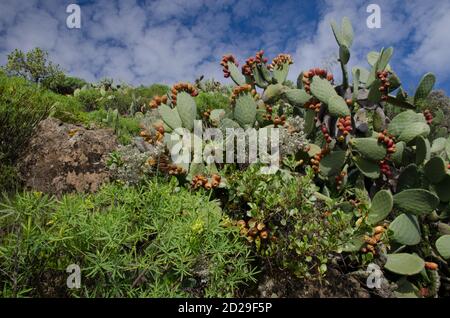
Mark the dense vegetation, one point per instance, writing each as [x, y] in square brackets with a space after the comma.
[364, 180]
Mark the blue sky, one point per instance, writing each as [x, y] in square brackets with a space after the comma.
[143, 42]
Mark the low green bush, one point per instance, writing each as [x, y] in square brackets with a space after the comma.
[303, 231]
[9, 178]
[157, 240]
[211, 101]
[89, 98]
[22, 106]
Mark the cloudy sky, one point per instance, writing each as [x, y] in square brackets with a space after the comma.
[148, 41]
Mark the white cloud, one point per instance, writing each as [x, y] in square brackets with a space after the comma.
[170, 41]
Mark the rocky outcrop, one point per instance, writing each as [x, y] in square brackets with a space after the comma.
[62, 158]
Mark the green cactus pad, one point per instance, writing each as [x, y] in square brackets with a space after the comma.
[369, 148]
[356, 74]
[372, 57]
[187, 109]
[337, 107]
[406, 229]
[368, 168]
[406, 289]
[272, 92]
[381, 206]
[216, 116]
[236, 75]
[280, 73]
[408, 125]
[404, 264]
[310, 121]
[416, 201]
[397, 156]
[347, 32]
[443, 246]
[425, 87]
[344, 54]
[259, 79]
[374, 92]
[442, 189]
[384, 58]
[337, 33]
[265, 73]
[418, 129]
[332, 163]
[322, 89]
[409, 178]
[245, 110]
[435, 170]
[422, 150]
[297, 97]
[438, 145]
[447, 148]
[229, 123]
[170, 116]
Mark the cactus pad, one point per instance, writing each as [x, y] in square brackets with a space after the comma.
[404, 264]
[369, 148]
[425, 86]
[406, 229]
[443, 246]
[332, 163]
[416, 201]
[382, 204]
[435, 170]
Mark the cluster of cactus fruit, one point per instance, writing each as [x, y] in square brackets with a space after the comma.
[201, 181]
[403, 160]
[252, 229]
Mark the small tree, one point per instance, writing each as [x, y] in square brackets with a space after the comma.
[33, 65]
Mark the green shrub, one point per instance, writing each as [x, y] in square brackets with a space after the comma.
[117, 100]
[153, 241]
[302, 231]
[150, 91]
[65, 85]
[9, 178]
[212, 101]
[89, 98]
[22, 106]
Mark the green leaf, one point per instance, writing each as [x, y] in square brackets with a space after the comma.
[322, 89]
[332, 163]
[443, 246]
[236, 75]
[438, 145]
[381, 206]
[297, 97]
[416, 201]
[368, 168]
[369, 148]
[442, 189]
[187, 109]
[404, 264]
[170, 116]
[245, 110]
[406, 229]
[435, 170]
[337, 107]
[422, 150]
[425, 87]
